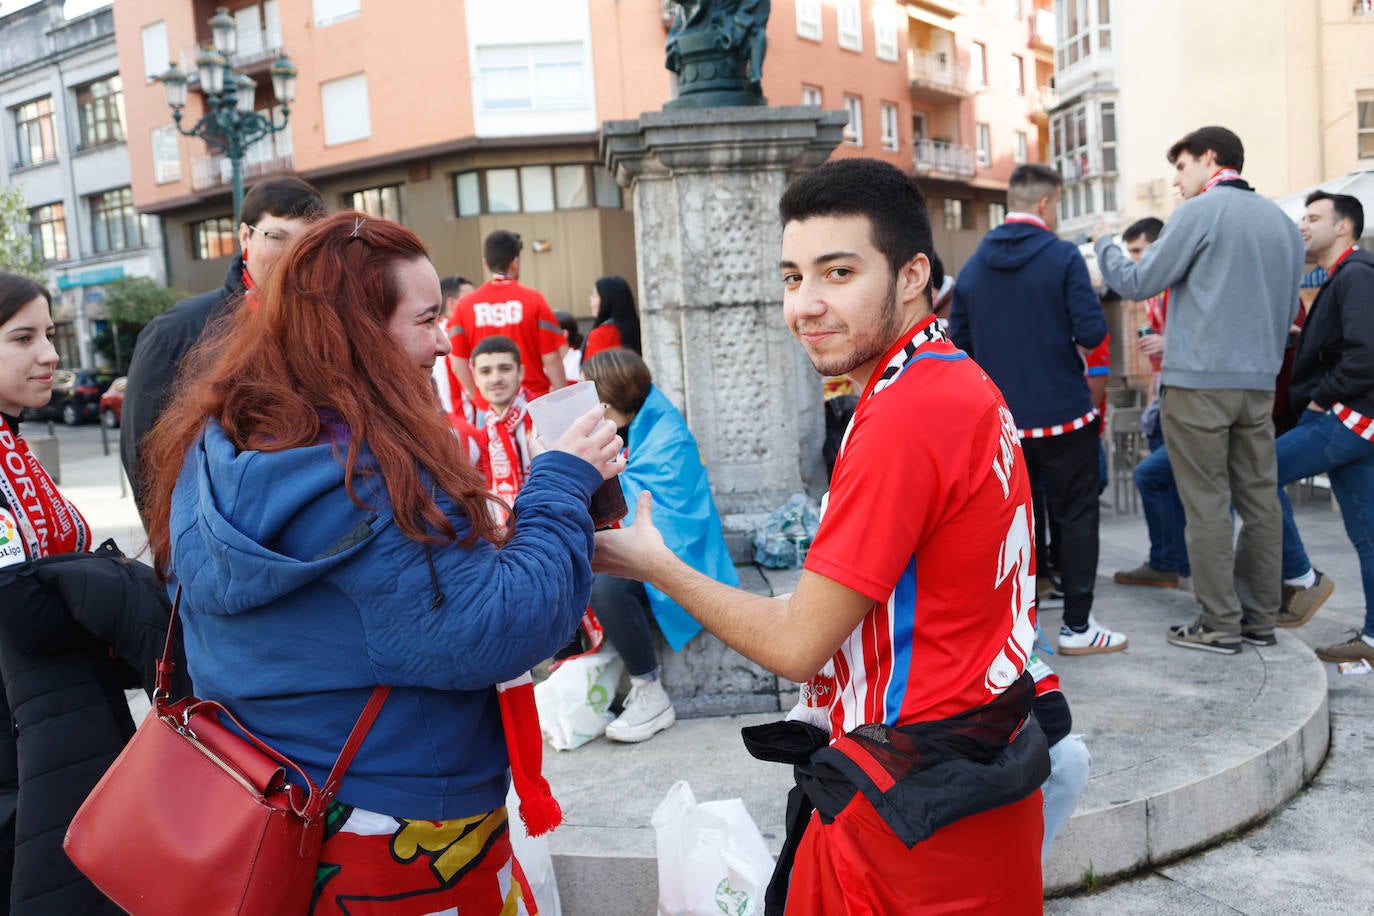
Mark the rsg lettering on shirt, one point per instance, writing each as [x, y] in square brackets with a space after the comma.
[498, 314]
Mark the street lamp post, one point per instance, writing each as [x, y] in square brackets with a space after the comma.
[229, 124]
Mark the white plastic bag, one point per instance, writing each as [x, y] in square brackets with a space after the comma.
[711, 857]
[532, 852]
[574, 702]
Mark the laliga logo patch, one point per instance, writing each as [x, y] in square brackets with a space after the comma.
[11, 547]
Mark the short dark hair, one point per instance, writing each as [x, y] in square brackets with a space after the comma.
[496, 343]
[1229, 150]
[17, 292]
[1345, 206]
[500, 248]
[622, 378]
[283, 196]
[1150, 227]
[886, 196]
[937, 278]
[448, 287]
[1030, 183]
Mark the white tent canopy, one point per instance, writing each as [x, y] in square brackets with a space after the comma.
[1359, 184]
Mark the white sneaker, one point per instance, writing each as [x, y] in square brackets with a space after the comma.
[647, 712]
[1095, 639]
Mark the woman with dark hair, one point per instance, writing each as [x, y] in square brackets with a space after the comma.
[329, 536]
[572, 348]
[663, 458]
[617, 321]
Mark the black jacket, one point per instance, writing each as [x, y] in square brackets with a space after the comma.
[161, 347]
[75, 631]
[1335, 355]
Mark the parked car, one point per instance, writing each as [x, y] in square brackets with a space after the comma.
[75, 396]
[112, 402]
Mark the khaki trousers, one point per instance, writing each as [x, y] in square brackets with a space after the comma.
[1221, 444]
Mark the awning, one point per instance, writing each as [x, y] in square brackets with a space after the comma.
[930, 18]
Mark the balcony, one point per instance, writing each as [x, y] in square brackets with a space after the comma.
[941, 159]
[1042, 32]
[1043, 101]
[210, 172]
[257, 50]
[935, 76]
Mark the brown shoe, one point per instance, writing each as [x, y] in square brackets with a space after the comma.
[1145, 574]
[1350, 651]
[1299, 604]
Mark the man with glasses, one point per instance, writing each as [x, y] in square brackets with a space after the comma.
[276, 211]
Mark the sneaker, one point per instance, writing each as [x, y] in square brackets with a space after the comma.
[1256, 635]
[647, 712]
[1299, 604]
[1092, 641]
[1198, 635]
[1351, 650]
[1145, 574]
[1047, 592]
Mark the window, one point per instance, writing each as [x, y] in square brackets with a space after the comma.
[346, 116]
[535, 189]
[1021, 151]
[978, 63]
[100, 107]
[1018, 75]
[48, 229]
[809, 19]
[272, 146]
[166, 154]
[538, 77]
[884, 33]
[1079, 21]
[810, 95]
[854, 130]
[213, 238]
[328, 12]
[33, 127]
[1104, 25]
[1107, 138]
[851, 25]
[983, 133]
[889, 121]
[997, 215]
[1364, 130]
[383, 202]
[1108, 195]
[958, 214]
[115, 224]
[155, 53]
[918, 125]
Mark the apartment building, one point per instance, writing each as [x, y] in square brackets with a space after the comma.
[1297, 85]
[63, 145]
[457, 118]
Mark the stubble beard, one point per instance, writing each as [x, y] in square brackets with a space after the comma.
[868, 346]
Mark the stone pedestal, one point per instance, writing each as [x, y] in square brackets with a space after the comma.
[705, 185]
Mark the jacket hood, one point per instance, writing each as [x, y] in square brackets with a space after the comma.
[236, 518]
[1011, 245]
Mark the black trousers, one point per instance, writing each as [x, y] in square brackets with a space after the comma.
[622, 606]
[1067, 465]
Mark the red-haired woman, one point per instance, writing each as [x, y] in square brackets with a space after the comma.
[329, 536]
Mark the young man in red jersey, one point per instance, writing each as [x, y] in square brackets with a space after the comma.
[918, 763]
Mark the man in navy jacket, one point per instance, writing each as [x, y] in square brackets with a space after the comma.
[1025, 310]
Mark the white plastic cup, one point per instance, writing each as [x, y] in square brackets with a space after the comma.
[556, 411]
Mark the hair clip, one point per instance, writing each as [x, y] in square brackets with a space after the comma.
[357, 224]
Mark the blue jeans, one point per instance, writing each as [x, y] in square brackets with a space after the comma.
[1069, 763]
[1164, 518]
[1320, 443]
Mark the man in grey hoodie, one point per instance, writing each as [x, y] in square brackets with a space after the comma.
[1232, 262]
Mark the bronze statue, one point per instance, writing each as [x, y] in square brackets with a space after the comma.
[716, 48]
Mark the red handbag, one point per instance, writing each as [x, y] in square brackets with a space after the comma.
[193, 818]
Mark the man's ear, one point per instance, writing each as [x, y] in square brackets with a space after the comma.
[912, 279]
[519, 372]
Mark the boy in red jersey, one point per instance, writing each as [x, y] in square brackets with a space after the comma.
[918, 763]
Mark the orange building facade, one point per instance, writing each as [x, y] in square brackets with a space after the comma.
[459, 118]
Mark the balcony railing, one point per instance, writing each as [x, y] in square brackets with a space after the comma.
[1044, 100]
[937, 70]
[217, 171]
[255, 46]
[943, 157]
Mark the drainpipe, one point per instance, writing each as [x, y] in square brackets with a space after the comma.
[83, 335]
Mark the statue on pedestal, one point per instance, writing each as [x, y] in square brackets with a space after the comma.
[716, 48]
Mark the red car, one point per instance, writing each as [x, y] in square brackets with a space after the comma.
[112, 403]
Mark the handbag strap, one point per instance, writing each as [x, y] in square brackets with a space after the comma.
[318, 799]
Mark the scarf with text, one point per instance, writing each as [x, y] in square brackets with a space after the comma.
[508, 448]
[35, 519]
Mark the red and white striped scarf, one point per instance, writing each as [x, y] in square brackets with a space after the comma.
[1220, 176]
[508, 448]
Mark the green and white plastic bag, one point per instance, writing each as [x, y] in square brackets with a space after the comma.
[574, 703]
[711, 857]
